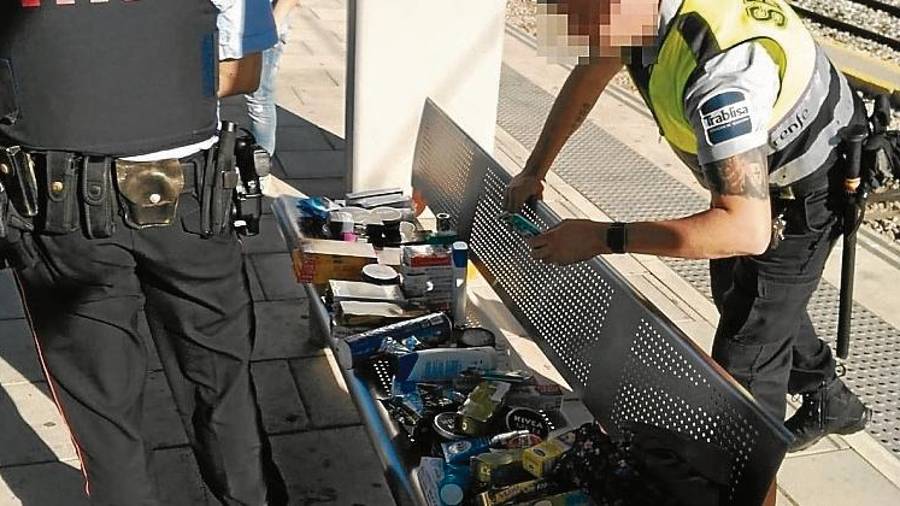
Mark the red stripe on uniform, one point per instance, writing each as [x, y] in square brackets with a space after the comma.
[37, 345]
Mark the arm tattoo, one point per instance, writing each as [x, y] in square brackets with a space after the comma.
[582, 115]
[746, 174]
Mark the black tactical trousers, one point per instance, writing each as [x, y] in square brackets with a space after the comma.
[84, 298]
[765, 338]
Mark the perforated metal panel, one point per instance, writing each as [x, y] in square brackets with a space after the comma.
[625, 360]
[445, 171]
[543, 293]
[662, 387]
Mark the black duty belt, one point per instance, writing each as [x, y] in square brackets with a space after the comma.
[191, 165]
[819, 180]
[75, 190]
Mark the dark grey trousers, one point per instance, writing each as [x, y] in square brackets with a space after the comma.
[85, 297]
[765, 337]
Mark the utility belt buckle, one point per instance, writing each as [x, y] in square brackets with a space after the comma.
[18, 177]
[784, 192]
[149, 191]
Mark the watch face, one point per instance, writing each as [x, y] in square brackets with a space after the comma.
[615, 237]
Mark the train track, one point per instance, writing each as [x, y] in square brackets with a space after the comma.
[878, 5]
[852, 29]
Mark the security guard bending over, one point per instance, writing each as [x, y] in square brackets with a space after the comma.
[754, 108]
[116, 199]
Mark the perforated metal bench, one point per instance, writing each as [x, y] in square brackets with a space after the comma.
[626, 360]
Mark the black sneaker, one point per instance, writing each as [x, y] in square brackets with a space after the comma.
[830, 410]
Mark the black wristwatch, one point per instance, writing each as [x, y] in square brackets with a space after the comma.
[616, 237]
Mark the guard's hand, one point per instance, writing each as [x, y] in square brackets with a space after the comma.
[522, 187]
[570, 242]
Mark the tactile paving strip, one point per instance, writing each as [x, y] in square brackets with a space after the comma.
[630, 188]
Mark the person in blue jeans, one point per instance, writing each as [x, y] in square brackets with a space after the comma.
[261, 104]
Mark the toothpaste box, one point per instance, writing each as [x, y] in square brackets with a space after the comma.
[443, 364]
[432, 264]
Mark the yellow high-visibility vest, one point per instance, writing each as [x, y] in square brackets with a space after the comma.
[703, 29]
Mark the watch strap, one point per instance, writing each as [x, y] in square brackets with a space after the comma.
[616, 237]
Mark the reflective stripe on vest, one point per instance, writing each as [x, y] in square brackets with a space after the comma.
[823, 134]
[703, 29]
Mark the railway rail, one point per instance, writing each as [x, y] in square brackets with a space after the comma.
[891, 8]
[853, 29]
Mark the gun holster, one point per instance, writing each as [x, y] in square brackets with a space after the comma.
[15, 245]
[18, 178]
[881, 153]
[149, 191]
[253, 162]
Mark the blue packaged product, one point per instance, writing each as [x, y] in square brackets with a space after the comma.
[443, 484]
[430, 329]
[459, 452]
[443, 364]
[315, 206]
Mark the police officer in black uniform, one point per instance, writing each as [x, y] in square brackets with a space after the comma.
[116, 200]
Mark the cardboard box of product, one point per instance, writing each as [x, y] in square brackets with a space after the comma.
[318, 261]
[539, 460]
[433, 265]
[539, 394]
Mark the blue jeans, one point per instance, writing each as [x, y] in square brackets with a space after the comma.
[261, 104]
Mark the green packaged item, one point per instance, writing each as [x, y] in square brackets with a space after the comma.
[476, 413]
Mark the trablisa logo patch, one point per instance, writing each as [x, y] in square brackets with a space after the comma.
[725, 116]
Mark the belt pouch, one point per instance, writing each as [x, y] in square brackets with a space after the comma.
[61, 204]
[97, 200]
[149, 191]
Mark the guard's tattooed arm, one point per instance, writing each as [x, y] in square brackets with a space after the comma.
[745, 174]
[583, 112]
[738, 221]
[570, 109]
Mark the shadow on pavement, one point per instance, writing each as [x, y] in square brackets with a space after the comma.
[44, 481]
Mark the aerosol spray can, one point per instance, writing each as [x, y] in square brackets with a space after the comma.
[460, 267]
[354, 350]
